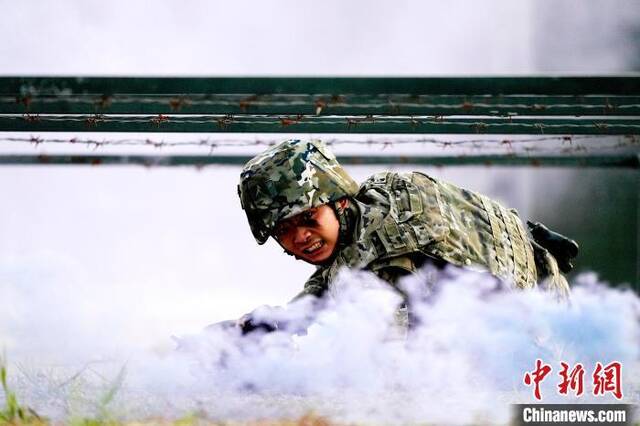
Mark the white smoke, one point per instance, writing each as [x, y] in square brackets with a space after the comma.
[462, 362]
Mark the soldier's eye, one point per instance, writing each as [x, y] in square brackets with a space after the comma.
[281, 230]
[308, 218]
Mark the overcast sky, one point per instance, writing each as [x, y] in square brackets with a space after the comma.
[268, 37]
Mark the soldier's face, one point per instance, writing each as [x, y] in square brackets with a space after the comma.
[311, 235]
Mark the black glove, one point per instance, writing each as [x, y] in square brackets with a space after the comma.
[248, 324]
[562, 248]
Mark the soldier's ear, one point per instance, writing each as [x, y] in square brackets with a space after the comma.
[343, 203]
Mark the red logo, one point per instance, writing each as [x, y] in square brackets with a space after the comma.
[536, 376]
[573, 380]
[606, 379]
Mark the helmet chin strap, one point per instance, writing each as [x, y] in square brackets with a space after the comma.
[346, 216]
[288, 252]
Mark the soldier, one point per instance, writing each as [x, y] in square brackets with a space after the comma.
[391, 224]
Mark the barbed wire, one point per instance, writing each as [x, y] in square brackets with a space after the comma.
[328, 119]
[359, 101]
[568, 143]
[479, 124]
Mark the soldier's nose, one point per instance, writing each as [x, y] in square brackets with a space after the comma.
[302, 235]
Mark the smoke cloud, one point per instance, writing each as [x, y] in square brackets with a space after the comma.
[351, 360]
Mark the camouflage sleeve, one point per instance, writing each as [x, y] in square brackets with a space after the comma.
[393, 269]
[316, 285]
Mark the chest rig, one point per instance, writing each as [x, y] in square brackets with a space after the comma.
[444, 222]
[402, 217]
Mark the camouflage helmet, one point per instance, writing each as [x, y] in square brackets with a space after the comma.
[288, 179]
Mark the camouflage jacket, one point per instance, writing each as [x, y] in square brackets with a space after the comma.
[404, 220]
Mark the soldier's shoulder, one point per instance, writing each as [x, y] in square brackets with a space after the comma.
[375, 180]
[387, 182]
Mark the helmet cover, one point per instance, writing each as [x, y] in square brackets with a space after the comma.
[288, 179]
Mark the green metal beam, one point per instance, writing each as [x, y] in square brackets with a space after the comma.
[543, 85]
[316, 124]
[617, 161]
[596, 105]
[324, 105]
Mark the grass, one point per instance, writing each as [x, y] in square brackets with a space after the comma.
[15, 413]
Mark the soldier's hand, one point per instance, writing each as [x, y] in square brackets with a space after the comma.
[254, 322]
[562, 248]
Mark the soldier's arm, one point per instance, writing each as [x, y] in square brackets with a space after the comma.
[394, 269]
[315, 286]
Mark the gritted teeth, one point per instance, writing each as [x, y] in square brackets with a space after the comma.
[313, 247]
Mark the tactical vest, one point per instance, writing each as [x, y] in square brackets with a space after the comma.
[404, 215]
[450, 223]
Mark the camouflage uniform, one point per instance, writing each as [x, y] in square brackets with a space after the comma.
[395, 222]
